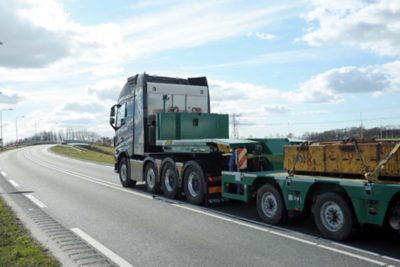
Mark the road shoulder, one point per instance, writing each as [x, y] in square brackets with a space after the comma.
[67, 247]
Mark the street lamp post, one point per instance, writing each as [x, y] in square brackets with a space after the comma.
[1, 124]
[16, 129]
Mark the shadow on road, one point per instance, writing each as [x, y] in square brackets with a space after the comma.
[16, 192]
[383, 241]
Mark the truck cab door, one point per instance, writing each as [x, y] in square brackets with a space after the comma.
[124, 125]
[120, 124]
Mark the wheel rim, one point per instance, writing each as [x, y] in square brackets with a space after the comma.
[169, 180]
[150, 177]
[332, 216]
[269, 204]
[123, 172]
[193, 184]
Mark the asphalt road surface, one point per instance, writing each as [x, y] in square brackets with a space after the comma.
[135, 228]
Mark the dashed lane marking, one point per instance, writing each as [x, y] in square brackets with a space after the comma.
[13, 183]
[90, 179]
[38, 203]
[100, 247]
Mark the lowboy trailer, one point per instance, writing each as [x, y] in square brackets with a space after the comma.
[342, 195]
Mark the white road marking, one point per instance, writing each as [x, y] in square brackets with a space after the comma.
[100, 247]
[282, 235]
[390, 258]
[3, 173]
[13, 183]
[38, 203]
[91, 179]
[356, 249]
[260, 228]
[380, 263]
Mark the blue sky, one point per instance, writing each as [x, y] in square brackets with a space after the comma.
[283, 66]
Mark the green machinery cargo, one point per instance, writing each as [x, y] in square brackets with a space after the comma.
[186, 125]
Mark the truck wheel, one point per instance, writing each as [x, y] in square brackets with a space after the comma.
[333, 216]
[194, 183]
[270, 205]
[150, 175]
[170, 180]
[125, 173]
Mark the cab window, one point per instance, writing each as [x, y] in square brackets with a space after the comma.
[121, 115]
[129, 108]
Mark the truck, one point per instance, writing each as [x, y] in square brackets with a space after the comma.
[167, 137]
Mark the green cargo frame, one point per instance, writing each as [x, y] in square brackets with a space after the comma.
[370, 201]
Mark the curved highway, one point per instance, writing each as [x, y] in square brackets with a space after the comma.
[144, 230]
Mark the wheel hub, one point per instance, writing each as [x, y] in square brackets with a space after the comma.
[150, 178]
[269, 204]
[332, 216]
[123, 173]
[169, 181]
[394, 220]
[193, 185]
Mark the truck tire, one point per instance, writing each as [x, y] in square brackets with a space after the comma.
[333, 216]
[194, 183]
[150, 176]
[170, 180]
[124, 170]
[270, 205]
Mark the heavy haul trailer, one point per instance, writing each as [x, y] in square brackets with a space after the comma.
[344, 185]
[166, 136]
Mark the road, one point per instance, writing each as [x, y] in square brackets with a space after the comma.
[145, 230]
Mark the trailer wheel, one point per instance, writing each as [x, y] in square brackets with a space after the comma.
[150, 176]
[194, 183]
[270, 205]
[125, 173]
[333, 216]
[170, 180]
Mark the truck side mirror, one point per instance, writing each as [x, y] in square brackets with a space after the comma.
[112, 123]
[112, 117]
[112, 111]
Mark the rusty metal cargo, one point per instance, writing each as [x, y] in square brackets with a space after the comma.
[344, 159]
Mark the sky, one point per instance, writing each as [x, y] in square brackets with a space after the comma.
[281, 66]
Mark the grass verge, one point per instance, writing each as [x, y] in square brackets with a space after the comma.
[84, 153]
[17, 248]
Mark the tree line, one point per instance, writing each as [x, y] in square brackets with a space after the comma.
[63, 135]
[354, 132]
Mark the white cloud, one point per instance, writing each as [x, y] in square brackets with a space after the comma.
[53, 61]
[106, 93]
[9, 97]
[277, 108]
[24, 43]
[255, 104]
[41, 34]
[370, 25]
[262, 36]
[331, 85]
[392, 70]
[160, 31]
[91, 108]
